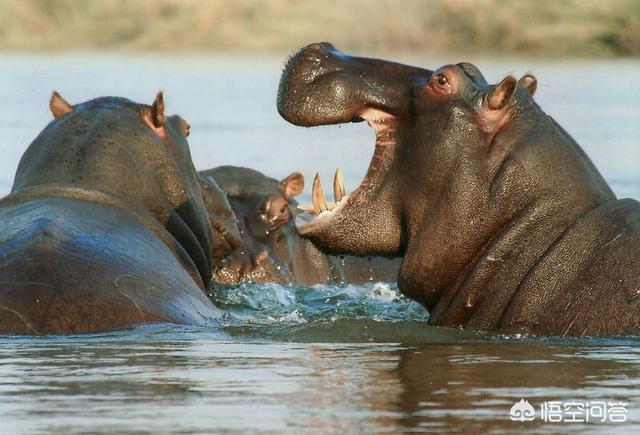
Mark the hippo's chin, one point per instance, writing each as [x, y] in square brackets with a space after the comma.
[311, 222]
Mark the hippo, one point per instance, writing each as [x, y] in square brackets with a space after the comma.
[503, 222]
[271, 249]
[106, 226]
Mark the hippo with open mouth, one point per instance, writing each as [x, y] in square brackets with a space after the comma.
[503, 221]
[106, 225]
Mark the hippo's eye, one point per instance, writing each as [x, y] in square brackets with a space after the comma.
[442, 79]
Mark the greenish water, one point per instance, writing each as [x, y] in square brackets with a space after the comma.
[354, 359]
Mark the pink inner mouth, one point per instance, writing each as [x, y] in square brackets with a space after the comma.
[385, 127]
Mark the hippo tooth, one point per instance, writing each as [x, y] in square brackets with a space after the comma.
[338, 186]
[318, 197]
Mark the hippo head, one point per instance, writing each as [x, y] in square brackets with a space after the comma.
[321, 85]
[451, 164]
[264, 208]
[136, 155]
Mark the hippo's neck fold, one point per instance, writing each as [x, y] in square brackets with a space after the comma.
[482, 294]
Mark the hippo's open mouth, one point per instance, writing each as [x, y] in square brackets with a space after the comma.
[321, 213]
[320, 85]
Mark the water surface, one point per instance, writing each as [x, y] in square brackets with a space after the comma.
[307, 360]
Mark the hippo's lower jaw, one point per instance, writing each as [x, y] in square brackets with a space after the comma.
[308, 221]
[385, 127]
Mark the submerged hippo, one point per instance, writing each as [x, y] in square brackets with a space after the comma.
[271, 249]
[503, 221]
[105, 226]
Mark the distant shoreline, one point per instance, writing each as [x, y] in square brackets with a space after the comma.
[541, 29]
[282, 55]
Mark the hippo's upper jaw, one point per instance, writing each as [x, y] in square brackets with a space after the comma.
[321, 86]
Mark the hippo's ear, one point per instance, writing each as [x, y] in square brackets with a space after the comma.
[497, 110]
[157, 111]
[59, 106]
[292, 185]
[502, 93]
[529, 82]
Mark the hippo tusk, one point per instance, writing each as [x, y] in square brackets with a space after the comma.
[318, 198]
[338, 186]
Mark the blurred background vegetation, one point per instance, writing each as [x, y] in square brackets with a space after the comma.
[578, 28]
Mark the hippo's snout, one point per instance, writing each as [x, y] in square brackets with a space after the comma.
[244, 266]
[314, 82]
[320, 46]
[321, 85]
[312, 59]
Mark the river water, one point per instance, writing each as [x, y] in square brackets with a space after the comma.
[354, 359]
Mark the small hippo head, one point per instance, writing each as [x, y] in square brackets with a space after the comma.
[136, 155]
[264, 208]
[455, 160]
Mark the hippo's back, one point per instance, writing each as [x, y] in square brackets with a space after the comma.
[75, 266]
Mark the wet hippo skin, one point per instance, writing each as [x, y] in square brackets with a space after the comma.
[271, 250]
[105, 226]
[503, 221]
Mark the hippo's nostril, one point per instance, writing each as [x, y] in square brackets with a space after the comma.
[320, 46]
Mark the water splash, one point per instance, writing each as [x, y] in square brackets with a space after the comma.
[346, 311]
[269, 303]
